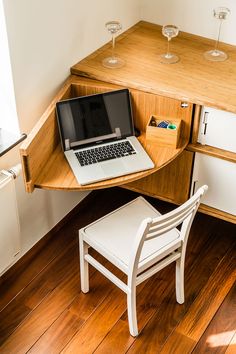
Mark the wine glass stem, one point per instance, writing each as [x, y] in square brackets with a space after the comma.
[113, 45]
[168, 47]
[218, 38]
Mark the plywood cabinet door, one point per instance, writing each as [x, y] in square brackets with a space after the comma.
[220, 176]
[171, 183]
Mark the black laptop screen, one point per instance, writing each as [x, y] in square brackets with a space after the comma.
[106, 115]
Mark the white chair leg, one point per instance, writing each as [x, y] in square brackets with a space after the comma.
[179, 280]
[132, 313]
[84, 266]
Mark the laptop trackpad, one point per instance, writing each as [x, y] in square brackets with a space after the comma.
[115, 168]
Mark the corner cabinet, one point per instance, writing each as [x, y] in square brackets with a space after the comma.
[189, 90]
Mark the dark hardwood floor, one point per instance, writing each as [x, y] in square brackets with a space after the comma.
[43, 311]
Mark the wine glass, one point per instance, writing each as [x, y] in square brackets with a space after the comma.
[220, 13]
[169, 31]
[113, 61]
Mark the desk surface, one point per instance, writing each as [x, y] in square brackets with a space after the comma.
[192, 79]
[57, 174]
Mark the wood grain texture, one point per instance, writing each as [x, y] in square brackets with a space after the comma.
[49, 309]
[217, 213]
[103, 320]
[171, 183]
[193, 325]
[192, 79]
[20, 307]
[41, 141]
[221, 329]
[53, 316]
[73, 318]
[232, 346]
[146, 299]
[163, 136]
[212, 151]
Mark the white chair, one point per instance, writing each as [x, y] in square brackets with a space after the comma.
[139, 241]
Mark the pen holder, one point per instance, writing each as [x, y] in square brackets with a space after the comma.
[164, 131]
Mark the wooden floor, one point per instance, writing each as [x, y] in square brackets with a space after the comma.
[43, 310]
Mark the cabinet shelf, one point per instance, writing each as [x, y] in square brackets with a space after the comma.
[212, 151]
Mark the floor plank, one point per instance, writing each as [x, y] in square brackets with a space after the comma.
[221, 330]
[70, 321]
[232, 346]
[43, 316]
[107, 314]
[191, 328]
[147, 303]
[38, 289]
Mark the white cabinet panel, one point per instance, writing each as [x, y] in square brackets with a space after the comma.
[218, 129]
[220, 176]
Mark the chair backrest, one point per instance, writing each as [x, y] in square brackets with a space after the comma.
[183, 214]
[151, 228]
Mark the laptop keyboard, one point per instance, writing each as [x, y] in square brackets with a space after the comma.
[105, 152]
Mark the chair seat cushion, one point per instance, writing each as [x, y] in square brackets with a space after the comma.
[115, 232]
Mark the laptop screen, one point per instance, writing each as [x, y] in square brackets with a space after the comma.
[95, 118]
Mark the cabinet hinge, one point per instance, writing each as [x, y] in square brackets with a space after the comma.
[184, 105]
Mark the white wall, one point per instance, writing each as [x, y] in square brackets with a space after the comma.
[7, 97]
[45, 39]
[48, 37]
[193, 16]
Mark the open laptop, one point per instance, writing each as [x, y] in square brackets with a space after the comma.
[97, 136]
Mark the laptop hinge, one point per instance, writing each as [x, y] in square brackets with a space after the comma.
[67, 144]
[117, 135]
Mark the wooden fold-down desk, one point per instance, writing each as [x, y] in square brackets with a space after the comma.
[43, 159]
[170, 91]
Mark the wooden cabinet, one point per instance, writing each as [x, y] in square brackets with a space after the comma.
[169, 91]
[44, 164]
[171, 183]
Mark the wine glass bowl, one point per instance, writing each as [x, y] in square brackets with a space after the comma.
[113, 27]
[221, 14]
[169, 31]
